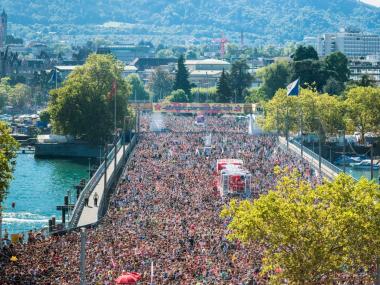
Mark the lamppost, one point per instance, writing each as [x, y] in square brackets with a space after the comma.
[89, 168]
[344, 149]
[83, 256]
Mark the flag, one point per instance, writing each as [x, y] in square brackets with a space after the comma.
[54, 77]
[294, 88]
[112, 93]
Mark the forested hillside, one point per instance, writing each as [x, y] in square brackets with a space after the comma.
[259, 19]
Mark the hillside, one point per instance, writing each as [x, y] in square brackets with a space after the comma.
[269, 20]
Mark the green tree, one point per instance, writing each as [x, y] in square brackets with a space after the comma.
[165, 53]
[138, 89]
[178, 96]
[223, 91]
[160, 84]
[8, 148]
[5, 89]
[255, 95]
[202, 95]
[312, 73]
[305, 52]
[312, 235]
[45, 116]
[333, 86]
[240, 79]
[361, 104]
[84, 105]
[182, 77]
[330, 114]
[281, 113]
[20, 97]
[274, 77]
[337, 64]
[366, 81]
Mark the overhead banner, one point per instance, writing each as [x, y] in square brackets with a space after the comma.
[196, 108]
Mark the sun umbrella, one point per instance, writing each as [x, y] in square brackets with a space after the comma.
[128, 278]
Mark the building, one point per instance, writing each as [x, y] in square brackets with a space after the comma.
[369, 65]
[127, 53]
[145, 66]
[3, 28]
[351, 42]
[151, 63]
[206, 72]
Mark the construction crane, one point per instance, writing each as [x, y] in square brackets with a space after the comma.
[222, 41]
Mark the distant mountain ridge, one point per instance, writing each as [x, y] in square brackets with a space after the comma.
[259, 19]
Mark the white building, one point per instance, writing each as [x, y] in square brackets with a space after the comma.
[206, 72]
[369, 65]
[350, 42]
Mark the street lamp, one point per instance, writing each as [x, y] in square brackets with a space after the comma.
[344, 149]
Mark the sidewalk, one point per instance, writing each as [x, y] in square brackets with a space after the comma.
[89, 214]
[326, 171]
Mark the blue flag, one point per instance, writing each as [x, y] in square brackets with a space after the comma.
[55, 77]
[294, 88]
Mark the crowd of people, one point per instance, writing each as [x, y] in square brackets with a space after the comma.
[164, 218]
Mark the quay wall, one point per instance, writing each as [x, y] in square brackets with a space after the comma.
[67, 150]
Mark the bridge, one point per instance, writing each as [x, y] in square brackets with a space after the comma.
[328, 170]
[100, 184]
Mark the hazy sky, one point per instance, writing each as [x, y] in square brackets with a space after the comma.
[372, 2]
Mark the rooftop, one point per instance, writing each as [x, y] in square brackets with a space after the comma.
[66, 67]
[209, 61]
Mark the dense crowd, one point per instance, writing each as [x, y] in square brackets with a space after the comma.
[164, 211]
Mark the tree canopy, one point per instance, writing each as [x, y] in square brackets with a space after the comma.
[319, 112]
[274, 77]
[224, 93]
[160, 84]
[362, 105]
[138, 91]
[84, 105]
[312, 235]
[8, 148]
[240, 79]
[182, 77]
[178, 96]
[305, 52]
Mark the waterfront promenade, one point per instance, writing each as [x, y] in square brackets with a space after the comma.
[89, 214]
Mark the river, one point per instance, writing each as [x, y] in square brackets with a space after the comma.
[39, 185]
[358, 173]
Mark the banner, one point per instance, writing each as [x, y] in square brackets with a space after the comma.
[196, 108]
[146, 106]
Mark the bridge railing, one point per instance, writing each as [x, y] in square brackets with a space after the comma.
[103, 205]
[91, 184]
[315, 156]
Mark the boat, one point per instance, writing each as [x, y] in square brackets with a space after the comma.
[365, 164]
[347, 160]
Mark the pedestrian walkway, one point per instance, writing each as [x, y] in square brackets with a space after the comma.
[89, 213]
[328, 170]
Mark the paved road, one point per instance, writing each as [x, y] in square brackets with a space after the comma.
[89, 214]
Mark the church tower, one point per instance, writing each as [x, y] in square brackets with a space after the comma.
[3, 28]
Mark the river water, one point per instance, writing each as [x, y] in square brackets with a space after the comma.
[39, 185]
[358, 173]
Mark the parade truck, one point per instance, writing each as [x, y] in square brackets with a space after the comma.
[232, 179]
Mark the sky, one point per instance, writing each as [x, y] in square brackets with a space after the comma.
[372, 2]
